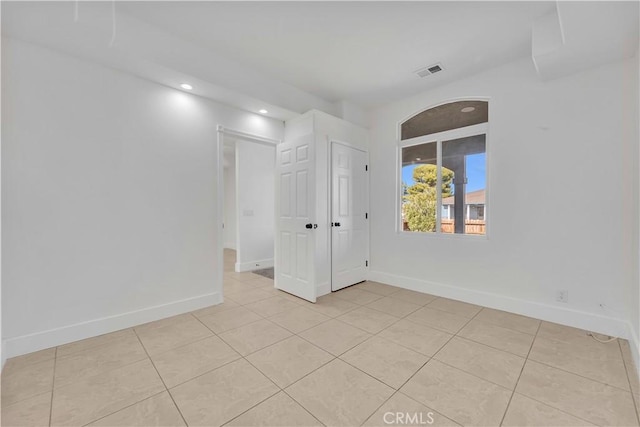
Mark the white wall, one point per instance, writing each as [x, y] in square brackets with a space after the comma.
[255, 192]
[633, 297]
[230, 214]
[109, 198]
[561, 205]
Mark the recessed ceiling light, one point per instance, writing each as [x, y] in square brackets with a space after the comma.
[186, 86]
[468, 109]
[262, 111]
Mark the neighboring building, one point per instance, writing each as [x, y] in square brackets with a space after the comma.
[474, 206]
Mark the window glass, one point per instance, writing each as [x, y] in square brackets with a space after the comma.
[419, 179]
[463, 165]
[462, 186]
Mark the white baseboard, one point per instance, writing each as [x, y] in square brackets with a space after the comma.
[4, 354]
[551, 313]
[253, 265]
[40, 340]
[323, 289]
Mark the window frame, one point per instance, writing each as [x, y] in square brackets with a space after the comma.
[438, 138]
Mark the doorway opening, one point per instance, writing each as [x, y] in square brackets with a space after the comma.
[246, 205]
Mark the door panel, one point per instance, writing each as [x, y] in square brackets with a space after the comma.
[294, 266]
[348, 209]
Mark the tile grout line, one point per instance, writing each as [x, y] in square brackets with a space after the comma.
[439, 350]
[436, 329]
[178, 346]
[544, 363]
[207, 372]
[506, 409]
[253, 406]
[136, 361]
[309, 373]
[500, 325]
[204, 324]
[122, 409]
[255, 351]
[558, 409]
[161, 379]
[236, 328]
[473, 375]
[42, 393]
[312, 308]
[581, 376]
[280, 389]
[628, 372]
[304, 330]
[440, 328]
[330, 361]
[53, 384]
[240, 356]
[430, 358]
[302, 406]
[370, 375]
[396, 391]
[543, 403]
[110, 370]
[495, 348]
[93, 347]
[384, 312]
[327, 351]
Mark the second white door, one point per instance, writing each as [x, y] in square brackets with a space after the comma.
[348, 216]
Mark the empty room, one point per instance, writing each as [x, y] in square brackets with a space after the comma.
[371, 213]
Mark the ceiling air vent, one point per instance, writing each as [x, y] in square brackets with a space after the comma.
[427, 71]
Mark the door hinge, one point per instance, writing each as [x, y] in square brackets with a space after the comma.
[366, 263]
[366, 215]
[366, 168]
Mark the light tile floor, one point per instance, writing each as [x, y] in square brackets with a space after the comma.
[370, 355]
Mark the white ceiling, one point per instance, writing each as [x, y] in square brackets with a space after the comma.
[364, 53]
[289, 57]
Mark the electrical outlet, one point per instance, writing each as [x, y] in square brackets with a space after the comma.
[562, 296]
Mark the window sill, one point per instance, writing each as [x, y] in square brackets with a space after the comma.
[452, 236]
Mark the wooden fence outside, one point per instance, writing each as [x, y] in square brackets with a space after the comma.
[471, 226]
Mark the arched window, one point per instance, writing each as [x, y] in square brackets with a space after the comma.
[443, 169]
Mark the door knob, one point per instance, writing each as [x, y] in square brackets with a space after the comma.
[310, 226]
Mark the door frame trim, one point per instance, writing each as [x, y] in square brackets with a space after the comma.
[221, 133]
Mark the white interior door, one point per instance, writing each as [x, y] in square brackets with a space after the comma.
[348, 210]
[295, 212]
